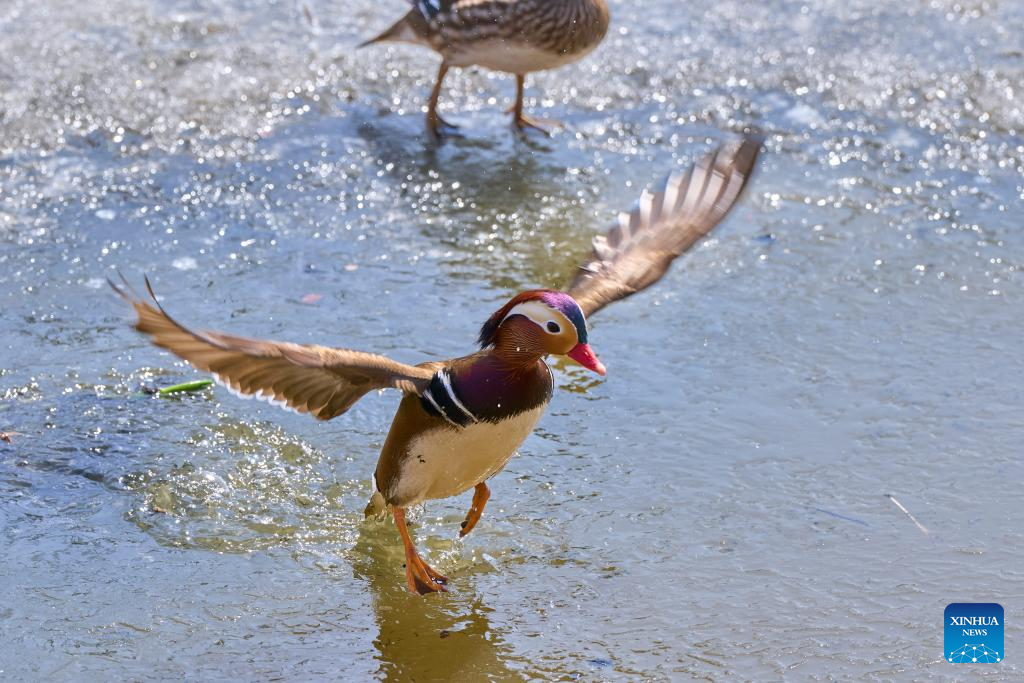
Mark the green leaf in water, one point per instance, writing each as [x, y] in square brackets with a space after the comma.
[187, 386]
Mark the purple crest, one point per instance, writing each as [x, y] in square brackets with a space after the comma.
[564, 303]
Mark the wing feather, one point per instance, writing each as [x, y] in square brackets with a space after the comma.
[319, 380]
[638, 251]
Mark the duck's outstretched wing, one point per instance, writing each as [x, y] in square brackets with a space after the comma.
[637, 252]
[318, 380]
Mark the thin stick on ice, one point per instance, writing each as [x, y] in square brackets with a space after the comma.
[922, 527]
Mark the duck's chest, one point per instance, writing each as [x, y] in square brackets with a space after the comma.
[509, 56]
[476, 417]
[446, 461]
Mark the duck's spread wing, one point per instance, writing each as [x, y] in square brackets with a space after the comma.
[318, 380]
[637, 252]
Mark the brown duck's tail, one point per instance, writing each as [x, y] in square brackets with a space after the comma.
[412, 28]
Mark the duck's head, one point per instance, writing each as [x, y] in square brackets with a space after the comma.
[541, 322]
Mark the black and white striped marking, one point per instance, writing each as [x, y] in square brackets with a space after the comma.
[441, 400]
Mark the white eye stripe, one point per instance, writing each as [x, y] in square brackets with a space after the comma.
[538, 312]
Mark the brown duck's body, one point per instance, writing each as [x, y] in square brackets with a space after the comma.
[512, 36]
[546, 33]
[461, 420]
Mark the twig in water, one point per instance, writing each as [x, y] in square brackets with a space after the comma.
[922, 527]
[843, 517]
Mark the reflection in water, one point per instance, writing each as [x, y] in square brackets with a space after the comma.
[477, 191]
[435, 637]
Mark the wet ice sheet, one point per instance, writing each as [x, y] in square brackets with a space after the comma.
[715, 508]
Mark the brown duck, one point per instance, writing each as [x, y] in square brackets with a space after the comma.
[513, 36]
[461, 420]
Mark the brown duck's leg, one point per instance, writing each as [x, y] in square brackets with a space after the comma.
[480, 496]
[419, 576]
[434, 121]
[521, 120]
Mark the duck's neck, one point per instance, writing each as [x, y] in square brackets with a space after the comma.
[517, 347]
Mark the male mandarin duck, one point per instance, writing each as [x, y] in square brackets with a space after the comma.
[461, 420]
[513, 36]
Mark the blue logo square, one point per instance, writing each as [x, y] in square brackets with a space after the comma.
[974, 633]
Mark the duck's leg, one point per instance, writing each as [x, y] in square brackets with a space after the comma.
[420, 577]
[520, 120]
[480, 495]
[436, 124]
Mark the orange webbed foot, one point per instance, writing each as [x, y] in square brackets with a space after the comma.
[422, 578]
[480, 496]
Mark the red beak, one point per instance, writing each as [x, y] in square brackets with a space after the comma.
[582, 354]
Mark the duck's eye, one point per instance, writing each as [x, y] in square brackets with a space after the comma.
[553, 327]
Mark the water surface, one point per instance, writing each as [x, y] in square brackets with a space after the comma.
[716, 508]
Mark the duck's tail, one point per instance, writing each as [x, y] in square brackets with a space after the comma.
[409, 29]
[376, 507]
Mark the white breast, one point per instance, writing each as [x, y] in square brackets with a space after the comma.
[508, 56]
[445, 462]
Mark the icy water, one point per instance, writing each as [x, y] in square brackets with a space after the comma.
[716, 508]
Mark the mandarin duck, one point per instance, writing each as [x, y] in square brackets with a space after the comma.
[512, 36]
[460, 420]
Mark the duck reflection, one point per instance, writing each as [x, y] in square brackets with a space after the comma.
[482, 185]
[445, 636]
